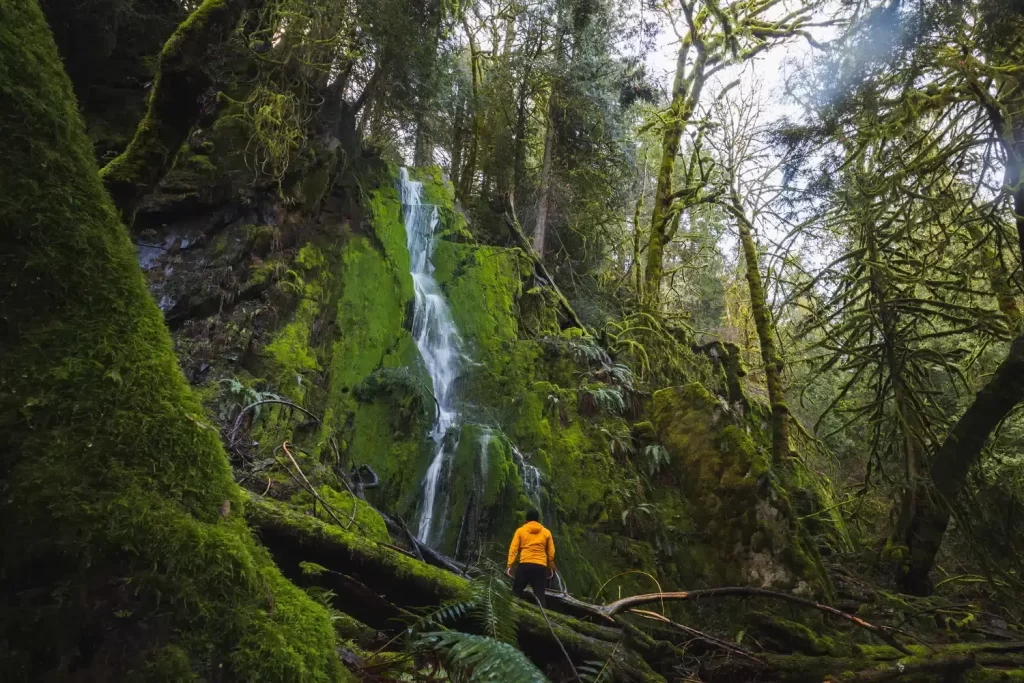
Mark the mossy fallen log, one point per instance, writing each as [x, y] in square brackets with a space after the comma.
[124, 556]
[405, 582]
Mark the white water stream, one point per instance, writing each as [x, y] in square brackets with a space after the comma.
[436, 338]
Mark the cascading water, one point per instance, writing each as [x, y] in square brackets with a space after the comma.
[530, 476]
[435, 335]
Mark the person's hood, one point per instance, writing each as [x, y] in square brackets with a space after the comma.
[533, 527]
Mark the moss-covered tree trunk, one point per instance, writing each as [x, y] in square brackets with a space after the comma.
[686, 92]
[762, 314]
[541, 225]
[468, 171]
[962, 448]
[125, 554]
[175, 103]
[951, 463]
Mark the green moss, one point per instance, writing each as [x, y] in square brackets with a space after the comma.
[114, 487]
[370, 553]
[173, 105]
[367, 521]
[749, 532]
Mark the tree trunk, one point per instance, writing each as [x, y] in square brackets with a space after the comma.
[125, 555]
[468, 172]
[540, 227]
[458, 133]
[686, 91]
[959, 452]
[174, 104]
[762, 315]
[519, 145]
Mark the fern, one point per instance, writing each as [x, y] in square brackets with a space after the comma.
[594, 399]
[479, 658]
[657, 458]
[236, 395]
[488, 607]
[620, 444]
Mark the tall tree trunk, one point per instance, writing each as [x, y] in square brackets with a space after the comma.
[773, 366]
[125, 553]
[638, 280]
[949, 468]
[468, 172]
[686, 92]
[522, 122]
[519, 145]
[962, 447]
[174, 104]
[541, 225]
[458, 133]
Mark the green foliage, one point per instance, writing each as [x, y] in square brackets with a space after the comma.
[236, 396]
[601, 399]
[488, 606]
[657, 458]
[479, 658]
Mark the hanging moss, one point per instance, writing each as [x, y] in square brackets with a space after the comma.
[125, 553]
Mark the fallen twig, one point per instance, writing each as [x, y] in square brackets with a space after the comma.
[309, 488]
[551, 628]
[697, 635]
[625, 604]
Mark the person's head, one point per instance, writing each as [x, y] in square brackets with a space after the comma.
[532, 516]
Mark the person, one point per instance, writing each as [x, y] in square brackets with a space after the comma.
[535, 549]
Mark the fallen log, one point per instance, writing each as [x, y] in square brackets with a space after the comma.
[406, 583]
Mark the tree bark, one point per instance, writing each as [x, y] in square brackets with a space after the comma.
[124, 556]
[540, 227]
[174, 104]
[686, 92]
[960, 451]
[468, 171]
[773, 366]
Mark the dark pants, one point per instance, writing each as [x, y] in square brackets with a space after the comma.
[533, 575]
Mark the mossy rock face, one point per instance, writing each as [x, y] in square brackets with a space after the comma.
[744, 526]
[126, 556]
[483, 495]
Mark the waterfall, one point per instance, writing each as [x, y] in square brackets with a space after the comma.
[530, 476]
[436, 338]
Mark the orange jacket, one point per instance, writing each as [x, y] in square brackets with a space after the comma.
[533, 544]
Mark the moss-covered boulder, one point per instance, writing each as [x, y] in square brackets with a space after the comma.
[741, 527]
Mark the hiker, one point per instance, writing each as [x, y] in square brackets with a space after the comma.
[536, 551]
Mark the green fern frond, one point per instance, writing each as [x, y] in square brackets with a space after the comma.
[479, 658]
[657, 458]
[488, 607]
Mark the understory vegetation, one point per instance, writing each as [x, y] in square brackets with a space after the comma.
[735, 299]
